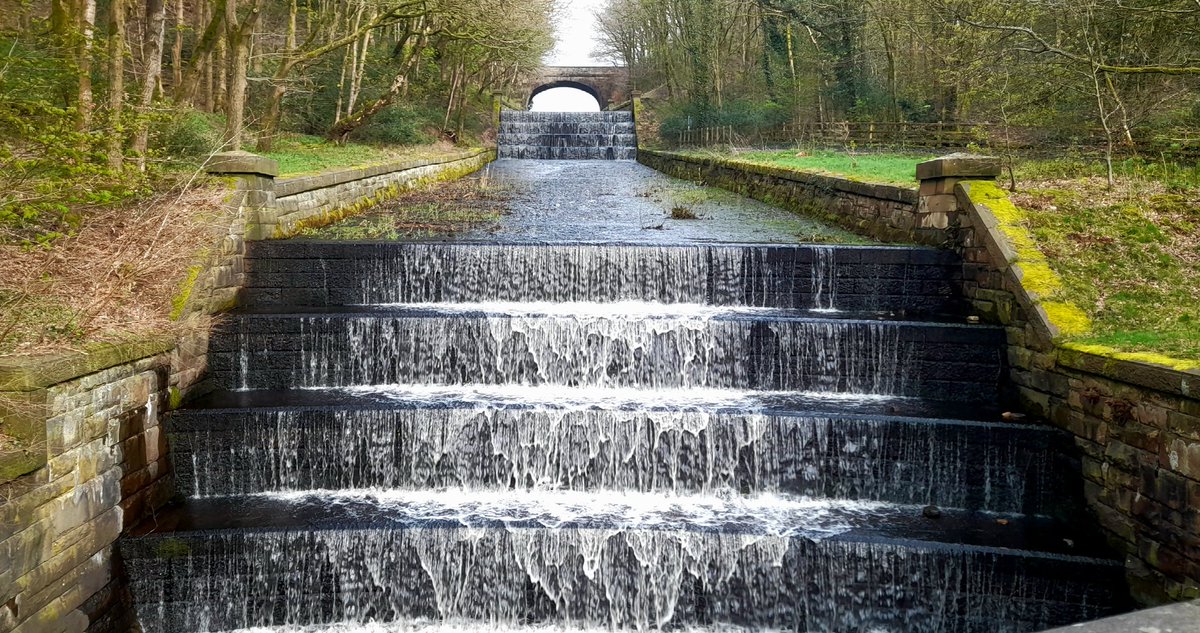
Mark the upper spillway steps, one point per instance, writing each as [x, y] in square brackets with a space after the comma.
[588, 437]
[567, 135]
[913, 281]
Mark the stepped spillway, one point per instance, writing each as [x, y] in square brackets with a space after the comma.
[554, 437]
[567, 135]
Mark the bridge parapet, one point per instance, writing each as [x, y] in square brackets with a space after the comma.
[610, 85]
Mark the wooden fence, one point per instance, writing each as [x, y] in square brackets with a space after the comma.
[1181, 145]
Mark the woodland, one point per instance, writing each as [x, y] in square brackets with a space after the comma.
[1115, 75]
[98, 97]
[109, 108]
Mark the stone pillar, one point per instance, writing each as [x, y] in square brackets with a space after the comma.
[497, 106]
[255, 196]
[937, 207]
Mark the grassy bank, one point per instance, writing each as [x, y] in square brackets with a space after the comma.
[892, 169]
[1129, 255]
[299, 154]
[113, 272]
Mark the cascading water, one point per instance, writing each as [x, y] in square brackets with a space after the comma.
[568, 437]
[567, 135]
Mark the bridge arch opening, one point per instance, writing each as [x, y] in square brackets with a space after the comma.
[565, 96]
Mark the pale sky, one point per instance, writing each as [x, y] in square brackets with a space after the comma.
[576, 34]
[576, 40]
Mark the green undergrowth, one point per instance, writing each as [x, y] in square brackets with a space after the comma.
[1129, 257]
[882, 168]
[299, 154]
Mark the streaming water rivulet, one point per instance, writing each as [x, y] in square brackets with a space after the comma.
[696, 437]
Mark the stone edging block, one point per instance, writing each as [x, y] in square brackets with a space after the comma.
[233, 163]
[38, 372]
[884, 192]
[285, 187]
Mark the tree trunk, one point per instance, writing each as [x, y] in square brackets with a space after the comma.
[116, 83]
[238, 37]
[201, 62]
[343, 127]
[353, 121]
[356, 79]
[152, 52]
[87, 34]
[220, 72]
[177, 46]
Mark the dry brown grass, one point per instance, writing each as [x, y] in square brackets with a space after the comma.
[114, 278]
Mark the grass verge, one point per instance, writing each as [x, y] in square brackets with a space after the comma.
[892, 169]
[1128, 256]
[299, 154]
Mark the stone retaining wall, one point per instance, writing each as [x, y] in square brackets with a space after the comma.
[279, 207]
[105, 470]
[884, 212]
[92, 461]
[1136, 423]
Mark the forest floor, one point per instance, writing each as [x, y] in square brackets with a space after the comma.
[114, 275]
[1129, 255]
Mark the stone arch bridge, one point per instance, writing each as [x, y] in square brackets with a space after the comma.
[610, 85]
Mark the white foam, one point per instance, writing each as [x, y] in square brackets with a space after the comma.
[586, 309]
[566, 398]
[762, 514]
[474, 626]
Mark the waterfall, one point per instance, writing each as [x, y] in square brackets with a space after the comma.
[567, 135]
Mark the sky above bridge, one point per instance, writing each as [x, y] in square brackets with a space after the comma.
[576, 35]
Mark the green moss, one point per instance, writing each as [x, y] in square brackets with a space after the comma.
[174, 398]
[169, 549]
[180, 301]
[1068, 318]
[1138, 357]
[1037, 277]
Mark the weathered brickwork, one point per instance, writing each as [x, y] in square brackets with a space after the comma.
[1136, 425]
[884, 212]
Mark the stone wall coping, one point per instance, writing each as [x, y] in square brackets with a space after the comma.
[1142, 374]
[959, 166]
[1182, 617]
[285, 187]
[232, 163]
[892, 193]
[1052, 318]
[23, 374]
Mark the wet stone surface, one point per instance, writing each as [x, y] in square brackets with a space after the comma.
[605, 201]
